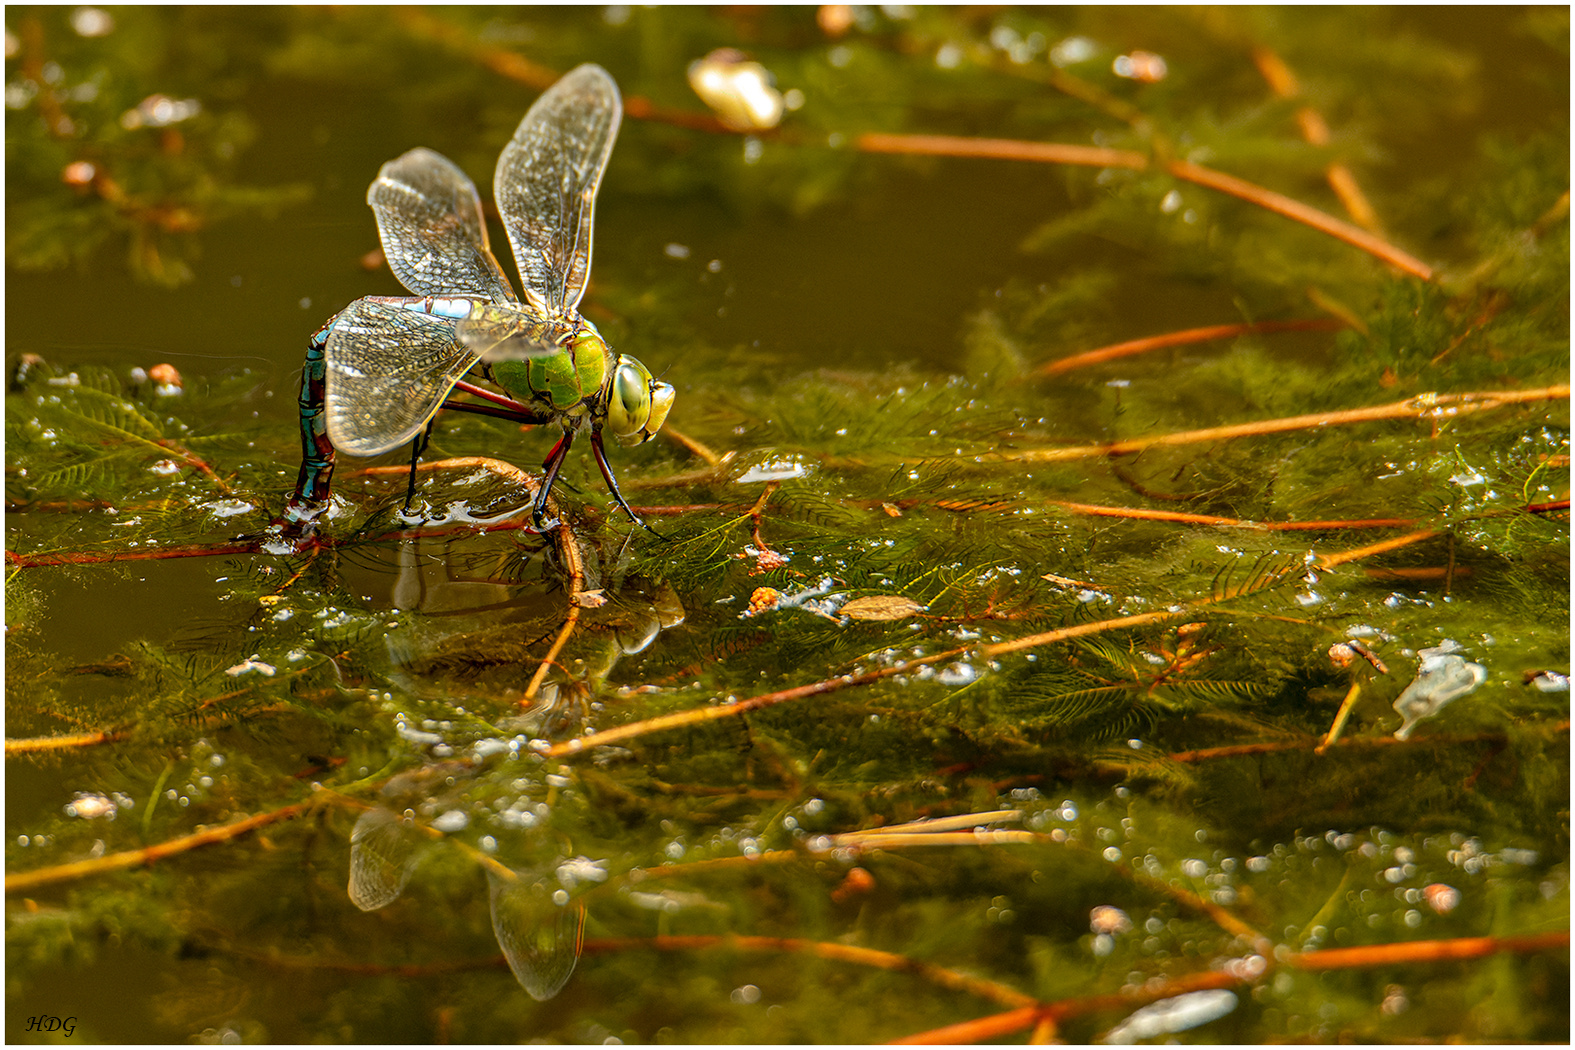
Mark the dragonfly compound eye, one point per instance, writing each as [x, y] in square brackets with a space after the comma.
[638, 404]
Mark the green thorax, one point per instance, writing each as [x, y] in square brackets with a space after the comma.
[567, 382]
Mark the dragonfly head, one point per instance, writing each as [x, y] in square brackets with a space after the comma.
[637, 404]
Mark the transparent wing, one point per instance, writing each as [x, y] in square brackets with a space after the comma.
[509, 333]
[541, 940]
[382, 855]
[546, 182]
[389, 370]
[434, 237]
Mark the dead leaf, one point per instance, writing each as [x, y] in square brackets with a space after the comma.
[881, 607]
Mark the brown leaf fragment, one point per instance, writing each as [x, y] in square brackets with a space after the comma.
[881, 607]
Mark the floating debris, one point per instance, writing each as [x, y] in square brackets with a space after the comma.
[159, 111]
[168, 379]
[1442, 678]
[739, 92]
[882, 607]
[834, 19]
[90, 22]
[1072, 50]
[581, 869]
[1141, 65]
[80, 173]
[855, 884]
[764, 599]
[1173, 1015]
[22, 373]
[228, 508]
[1548, 681]
[1107, 918]
[1343, 654]
[1106, 922]
[773, 470]
[766, 560]
[956, 674]
[1442, 898]
[91, 806]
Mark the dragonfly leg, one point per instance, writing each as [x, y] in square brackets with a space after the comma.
[600, 456]
[519, 414]
[525, 412]
[417, 446]
[551, 465]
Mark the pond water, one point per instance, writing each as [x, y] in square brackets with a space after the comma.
[1143, 697]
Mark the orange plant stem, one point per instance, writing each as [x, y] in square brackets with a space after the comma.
[1001, 149]
[1004, 1024]
[1435, 406]
[1329, 561]
[1062, 634]
[667, 871]
[25, 745]
[1340, 717]
[1098, 510]
[975, 1031]
[1011, 1021]
[1316, 132]
[505, 63]
[697, 715]
[28, 561]
[1302, 743]
[1426, 951]
[1094, 156]
[1183, 338]
[574, 569]
[136, 858]
[1302, 213]
[504, 469]
[821, 949]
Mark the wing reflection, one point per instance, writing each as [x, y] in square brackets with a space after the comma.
[382, 856]
[540, 937]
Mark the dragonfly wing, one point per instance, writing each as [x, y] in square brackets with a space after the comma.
[546, 182]
[434, 236]
[389, 370]
[509, 333]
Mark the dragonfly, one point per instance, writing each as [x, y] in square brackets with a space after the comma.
[377, 373]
